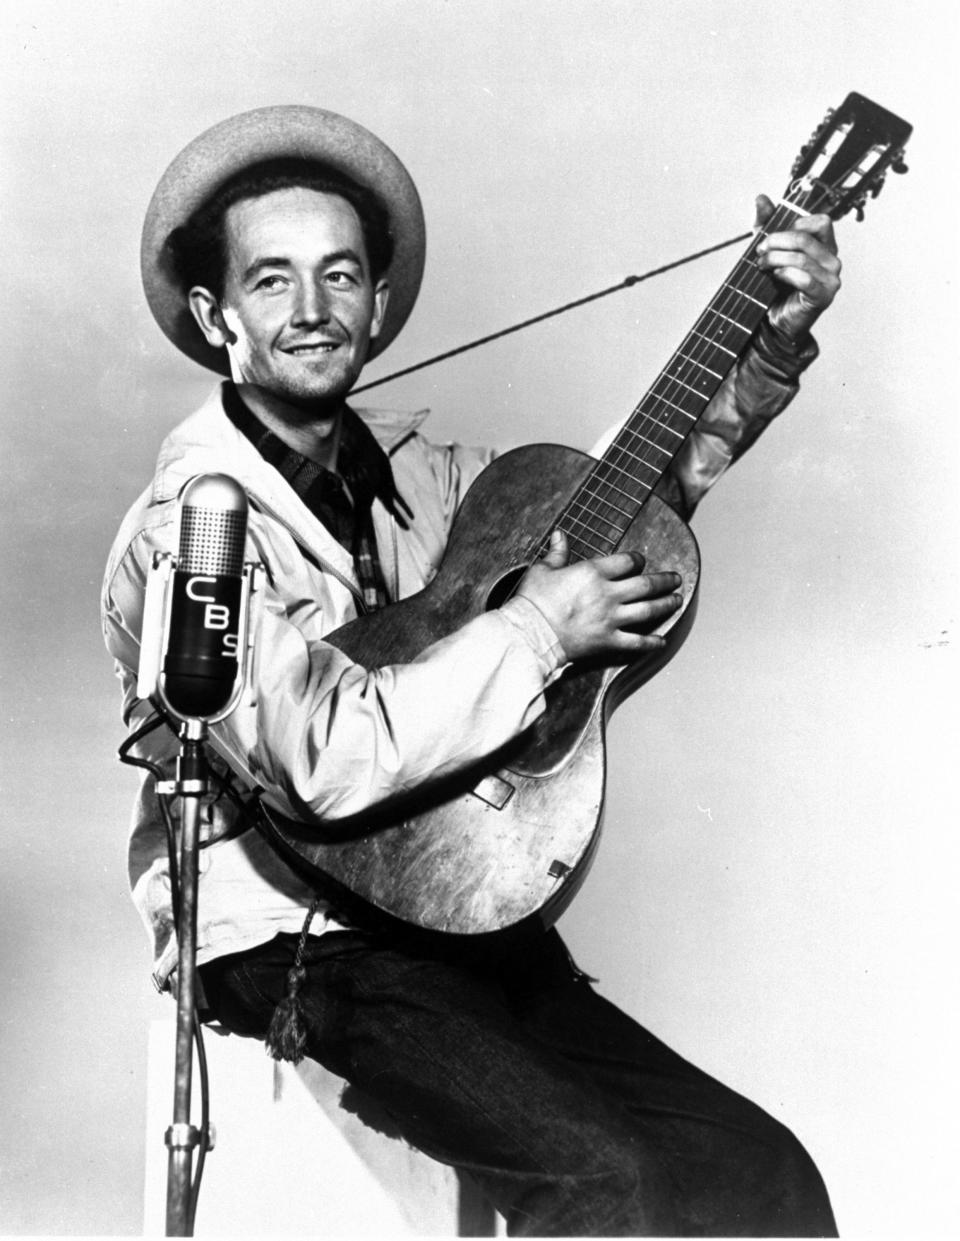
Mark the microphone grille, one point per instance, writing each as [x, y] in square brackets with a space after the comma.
[212, 541]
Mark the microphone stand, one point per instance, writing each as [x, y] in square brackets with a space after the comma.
[198, 586]
[191, 784]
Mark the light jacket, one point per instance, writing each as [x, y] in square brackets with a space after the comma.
[327, 738]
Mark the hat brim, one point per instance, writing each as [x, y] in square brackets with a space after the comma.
[251, 138]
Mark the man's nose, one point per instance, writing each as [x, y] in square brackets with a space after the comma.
[312, 304]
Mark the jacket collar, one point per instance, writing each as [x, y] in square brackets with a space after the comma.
[208, 441]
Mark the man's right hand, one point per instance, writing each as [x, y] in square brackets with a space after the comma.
[596, 606]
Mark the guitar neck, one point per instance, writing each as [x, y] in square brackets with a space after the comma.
[597, 517]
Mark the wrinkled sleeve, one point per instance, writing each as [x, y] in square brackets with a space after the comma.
[327, 738]
[455, 468]
[762, 383]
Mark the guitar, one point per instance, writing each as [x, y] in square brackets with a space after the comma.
[513, 838]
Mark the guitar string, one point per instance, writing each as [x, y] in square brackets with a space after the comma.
[646, 442]
[723, 303]
[681, 376]
[683, 373]
[649, 440]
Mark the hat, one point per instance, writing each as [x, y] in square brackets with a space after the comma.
[291, 131]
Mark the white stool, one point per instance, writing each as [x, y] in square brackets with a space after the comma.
[289, 1160]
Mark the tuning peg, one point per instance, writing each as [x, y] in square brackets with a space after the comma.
[900, 167]
[858, 205]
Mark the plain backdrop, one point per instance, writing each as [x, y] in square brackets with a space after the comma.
[775, 892]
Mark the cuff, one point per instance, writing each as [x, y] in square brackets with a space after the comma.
[790, 357]
[541, 636]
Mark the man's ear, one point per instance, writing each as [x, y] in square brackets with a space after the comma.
[205, 308]
[381, 295]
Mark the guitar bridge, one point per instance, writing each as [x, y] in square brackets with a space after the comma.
[493, 790]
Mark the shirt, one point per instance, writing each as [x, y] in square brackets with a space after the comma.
[342, 501]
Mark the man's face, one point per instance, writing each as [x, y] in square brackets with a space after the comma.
[299, 300]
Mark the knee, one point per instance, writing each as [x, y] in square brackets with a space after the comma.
[619, 1193]
[798, 1204]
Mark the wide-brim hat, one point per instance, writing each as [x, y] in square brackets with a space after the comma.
[285, 131]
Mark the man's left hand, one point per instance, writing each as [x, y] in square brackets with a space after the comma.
[805, 259]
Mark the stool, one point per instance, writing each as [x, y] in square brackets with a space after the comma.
[290, 1159]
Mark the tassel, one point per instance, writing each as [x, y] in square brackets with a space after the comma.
[287, 1035]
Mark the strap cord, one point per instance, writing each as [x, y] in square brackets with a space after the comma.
[627, 283]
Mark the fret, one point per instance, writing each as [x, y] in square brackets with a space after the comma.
[678, 408]
[607, 462]
[607, 492]
[748, 332]
[611, 465]
[659, 426]
[759, 280]
[683, 384]
[754, 274]
[659, 447]
[694, 362]
[592, 533]
[579, 548]
[629, 497]
[630, 500]
[616, 516]
[714, 343]
[603, 500]
[600, 542]
[740, 293]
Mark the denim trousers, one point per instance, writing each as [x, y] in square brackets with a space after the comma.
[573, 1119]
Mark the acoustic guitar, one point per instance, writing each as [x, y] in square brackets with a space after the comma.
[513, 838]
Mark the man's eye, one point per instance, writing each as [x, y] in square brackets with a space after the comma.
[269, 282]
[341, 278]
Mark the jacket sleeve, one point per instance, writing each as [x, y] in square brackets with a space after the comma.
[455, 468]
[327, 738]
[762, 383]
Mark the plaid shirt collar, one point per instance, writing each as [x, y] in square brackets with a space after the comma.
[342, 501]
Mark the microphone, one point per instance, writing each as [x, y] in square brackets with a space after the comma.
[193, 645]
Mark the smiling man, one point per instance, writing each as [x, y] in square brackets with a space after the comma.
[283, 248]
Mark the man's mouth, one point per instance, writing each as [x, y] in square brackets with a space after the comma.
[312, 348]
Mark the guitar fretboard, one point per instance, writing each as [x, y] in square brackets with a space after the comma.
[603, 508]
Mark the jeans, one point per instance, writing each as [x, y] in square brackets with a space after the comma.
[574, 1119]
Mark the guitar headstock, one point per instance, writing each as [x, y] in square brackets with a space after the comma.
[847, 158]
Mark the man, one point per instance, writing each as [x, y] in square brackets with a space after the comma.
[284, 247]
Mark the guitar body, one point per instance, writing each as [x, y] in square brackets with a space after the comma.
[514, 837]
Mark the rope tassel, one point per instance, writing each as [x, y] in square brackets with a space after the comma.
[287, 1035]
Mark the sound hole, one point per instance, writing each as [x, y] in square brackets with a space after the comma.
[504, 588]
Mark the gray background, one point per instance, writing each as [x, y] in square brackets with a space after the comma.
[775, 890]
